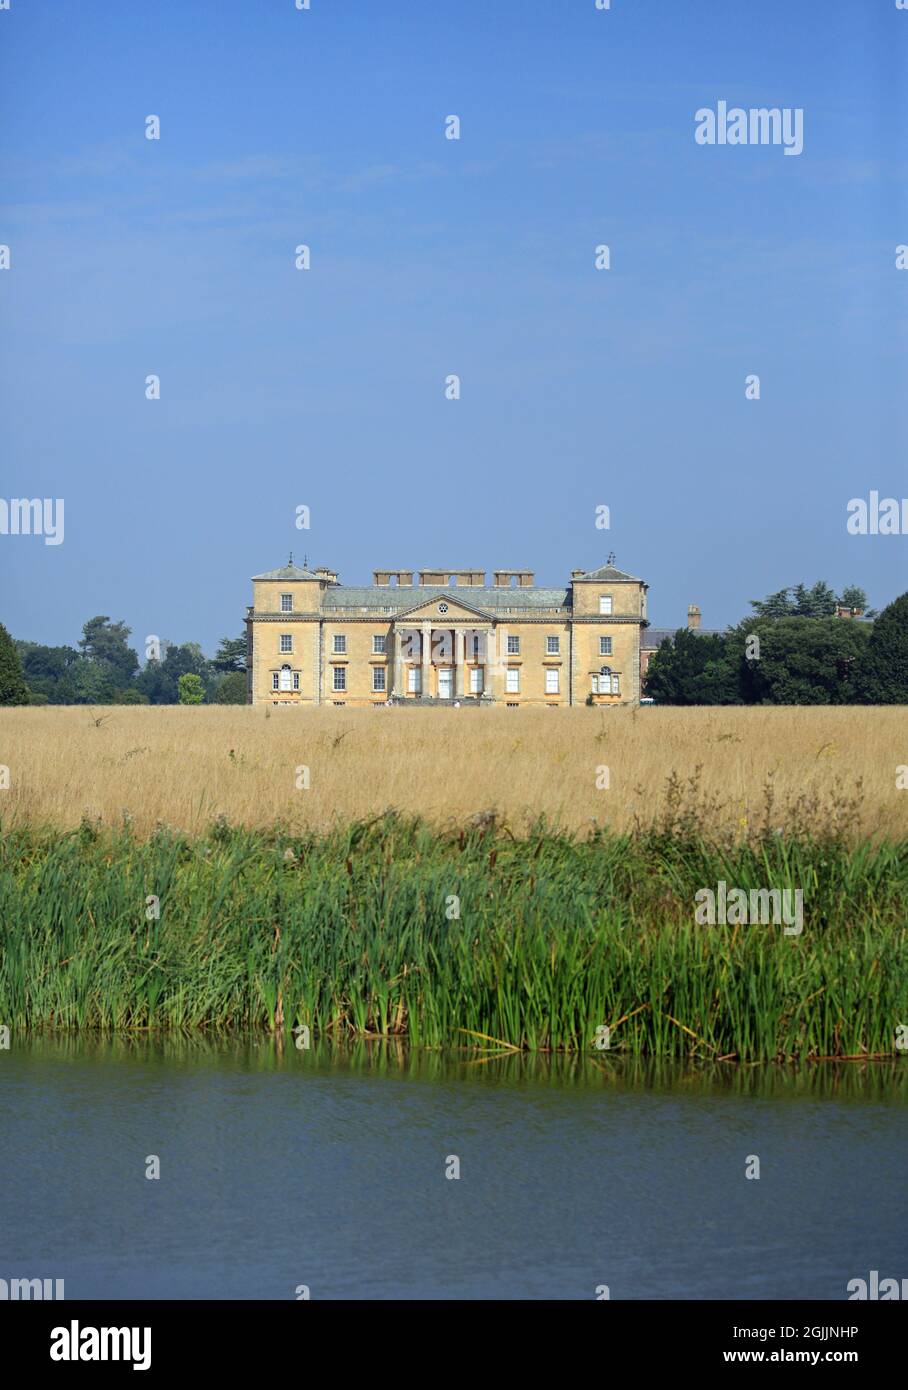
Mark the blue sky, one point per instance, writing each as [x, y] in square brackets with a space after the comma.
[325, 388]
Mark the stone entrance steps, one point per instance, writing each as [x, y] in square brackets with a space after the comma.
[465, 701]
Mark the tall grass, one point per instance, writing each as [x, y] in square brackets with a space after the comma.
[352, 933]
[186, 765]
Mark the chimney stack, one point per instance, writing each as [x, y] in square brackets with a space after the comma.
[693, 617]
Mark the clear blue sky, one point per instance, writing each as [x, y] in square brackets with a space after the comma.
[325, 388]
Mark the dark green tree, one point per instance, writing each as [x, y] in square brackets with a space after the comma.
[816, 602]
[800, 661]
[105, 644]
[231, 654]
[232, 689]
[87, 682]
[45, 669]
[819, 601]
[189, 660]
[778, 605]
[158, 687]
[692, 669]
[160, 679]
[13, 689]
[884, 675]
[853, 597]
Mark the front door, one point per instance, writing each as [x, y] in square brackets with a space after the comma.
[444, 682]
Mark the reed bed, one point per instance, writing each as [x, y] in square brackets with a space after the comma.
[353, 934]
[185, 766]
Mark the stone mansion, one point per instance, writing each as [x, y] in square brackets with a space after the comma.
[439, 636]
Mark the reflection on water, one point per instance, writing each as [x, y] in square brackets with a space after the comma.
[885, 1080]
[326, 1167]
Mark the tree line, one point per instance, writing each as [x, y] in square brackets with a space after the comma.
[793, 650]
[103, 669]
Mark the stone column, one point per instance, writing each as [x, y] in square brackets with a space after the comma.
[459, 659]
[396, 681]
[426, 654]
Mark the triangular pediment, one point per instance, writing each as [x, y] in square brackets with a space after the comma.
[443, 607]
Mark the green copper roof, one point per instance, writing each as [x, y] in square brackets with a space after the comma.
[408, 596]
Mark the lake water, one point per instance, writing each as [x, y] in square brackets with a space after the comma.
[284, 1168]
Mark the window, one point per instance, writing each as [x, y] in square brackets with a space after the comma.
[552, 646]
[414, 680]
[513, 646]
[378, 678]
[286, 603]
[551, 682]
[606, 683]
[275, 680]
[512, 681]
[286, 678]
[378, 643]
[476, 680]
[340, 677]
[340, 644]
[296, 680]
[286, 642]
[605, 646]
[605, 603]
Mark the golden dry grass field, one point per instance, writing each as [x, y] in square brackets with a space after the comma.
[186, 766]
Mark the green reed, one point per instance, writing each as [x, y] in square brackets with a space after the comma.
[354, 933]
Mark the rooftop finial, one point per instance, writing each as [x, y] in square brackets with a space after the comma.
[611, 557]
[290, 561]
[305, 562]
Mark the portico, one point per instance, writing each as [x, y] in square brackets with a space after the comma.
[441, 663]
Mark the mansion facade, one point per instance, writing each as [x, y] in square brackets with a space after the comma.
[443, 636]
